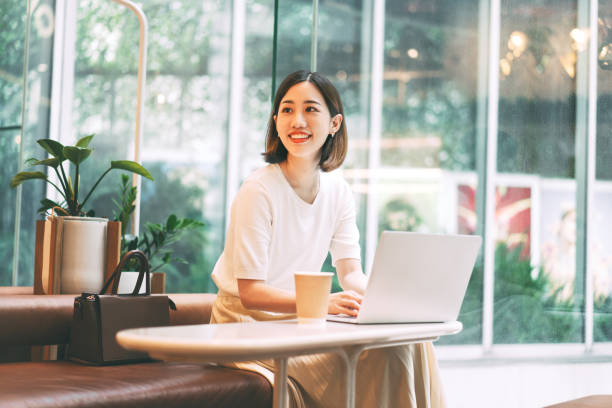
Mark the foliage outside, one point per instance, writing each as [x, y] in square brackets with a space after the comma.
[525, 311]
[156, 241]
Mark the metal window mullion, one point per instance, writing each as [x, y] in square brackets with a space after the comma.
[491, 171]
[235, 104]
[360, 125]
[315, 35]
[378, 38]
[274, 51]
[581, 165]
[590, 173]
[481, 125]
[365, 65]
[8, 128]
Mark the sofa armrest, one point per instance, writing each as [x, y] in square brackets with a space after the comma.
[35, 319]
[38, 320]
[191, 308]
[16, 290]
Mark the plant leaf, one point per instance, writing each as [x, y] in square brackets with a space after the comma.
[180, 260]
[47, 204]
[55, 148]
[133, 244]
[191, 223]
[84, 141]
[171, 222]
[31, 161]
[132, 166]
[51, 162]
[153, 227]
[76, 154]
[27, 175]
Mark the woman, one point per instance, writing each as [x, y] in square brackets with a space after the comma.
[286, 217]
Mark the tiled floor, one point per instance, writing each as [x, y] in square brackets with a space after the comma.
[522, 385]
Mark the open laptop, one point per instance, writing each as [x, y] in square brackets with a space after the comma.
[417, 278]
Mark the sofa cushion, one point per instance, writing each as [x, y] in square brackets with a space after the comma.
[65, 384]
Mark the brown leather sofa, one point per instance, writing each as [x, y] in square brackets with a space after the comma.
[592, 401]
[28, 322]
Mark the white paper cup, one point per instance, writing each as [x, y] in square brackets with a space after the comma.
[312, 295]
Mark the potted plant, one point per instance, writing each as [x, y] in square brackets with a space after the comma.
[156, 240]
[82, 237]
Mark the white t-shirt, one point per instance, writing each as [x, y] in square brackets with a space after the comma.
[273, 232]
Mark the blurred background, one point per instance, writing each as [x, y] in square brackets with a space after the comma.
[489, 117]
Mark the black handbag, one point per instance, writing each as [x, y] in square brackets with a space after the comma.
[98, 317]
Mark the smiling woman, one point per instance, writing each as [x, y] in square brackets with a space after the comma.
[304, 119]
[319, 109]
[287, 217]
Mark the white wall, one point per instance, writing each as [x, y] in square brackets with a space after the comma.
[518, 385]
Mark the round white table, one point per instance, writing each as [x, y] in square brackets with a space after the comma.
[278, 340]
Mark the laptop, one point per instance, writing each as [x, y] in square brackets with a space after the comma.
[416, 278]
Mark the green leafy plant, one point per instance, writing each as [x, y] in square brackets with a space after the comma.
[157, 239]
[69, 187]
[124, 205]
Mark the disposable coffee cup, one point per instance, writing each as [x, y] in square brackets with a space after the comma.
[312, 295]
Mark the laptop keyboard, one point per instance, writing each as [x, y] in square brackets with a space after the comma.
[342, 318]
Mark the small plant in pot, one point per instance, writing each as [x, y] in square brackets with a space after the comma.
[83, 237]
[155, 241]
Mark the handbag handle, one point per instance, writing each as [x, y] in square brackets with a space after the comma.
[143, 273]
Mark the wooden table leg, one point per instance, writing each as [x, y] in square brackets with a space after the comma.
[280, 396]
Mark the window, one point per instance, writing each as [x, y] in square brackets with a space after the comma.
[535, 245]
[21, 126]
[600, 221]
[185, 121]
[473, 117]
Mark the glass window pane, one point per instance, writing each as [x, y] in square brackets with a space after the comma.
[600, 244]
[9, 151]
[31, 194]
[35, 122]
[36, 125]
[343, 57]
[185, 117]
[427, 178]
[12, 41]
[535, 256]
[257, 84]
[294, 37]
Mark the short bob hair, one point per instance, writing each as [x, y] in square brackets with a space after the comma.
[334, 149]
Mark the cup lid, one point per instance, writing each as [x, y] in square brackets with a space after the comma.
[314, 273]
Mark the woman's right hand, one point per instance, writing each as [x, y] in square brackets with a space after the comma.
[347, 303]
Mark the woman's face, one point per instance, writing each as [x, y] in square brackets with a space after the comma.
[304, 121]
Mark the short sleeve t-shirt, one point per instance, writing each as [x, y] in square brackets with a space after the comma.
[273, 232]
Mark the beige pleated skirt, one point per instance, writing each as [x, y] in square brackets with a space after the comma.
[404, 376]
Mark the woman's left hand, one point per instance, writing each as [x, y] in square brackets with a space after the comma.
[347, 303]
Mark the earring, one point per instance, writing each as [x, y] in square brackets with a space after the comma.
[331, 135]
